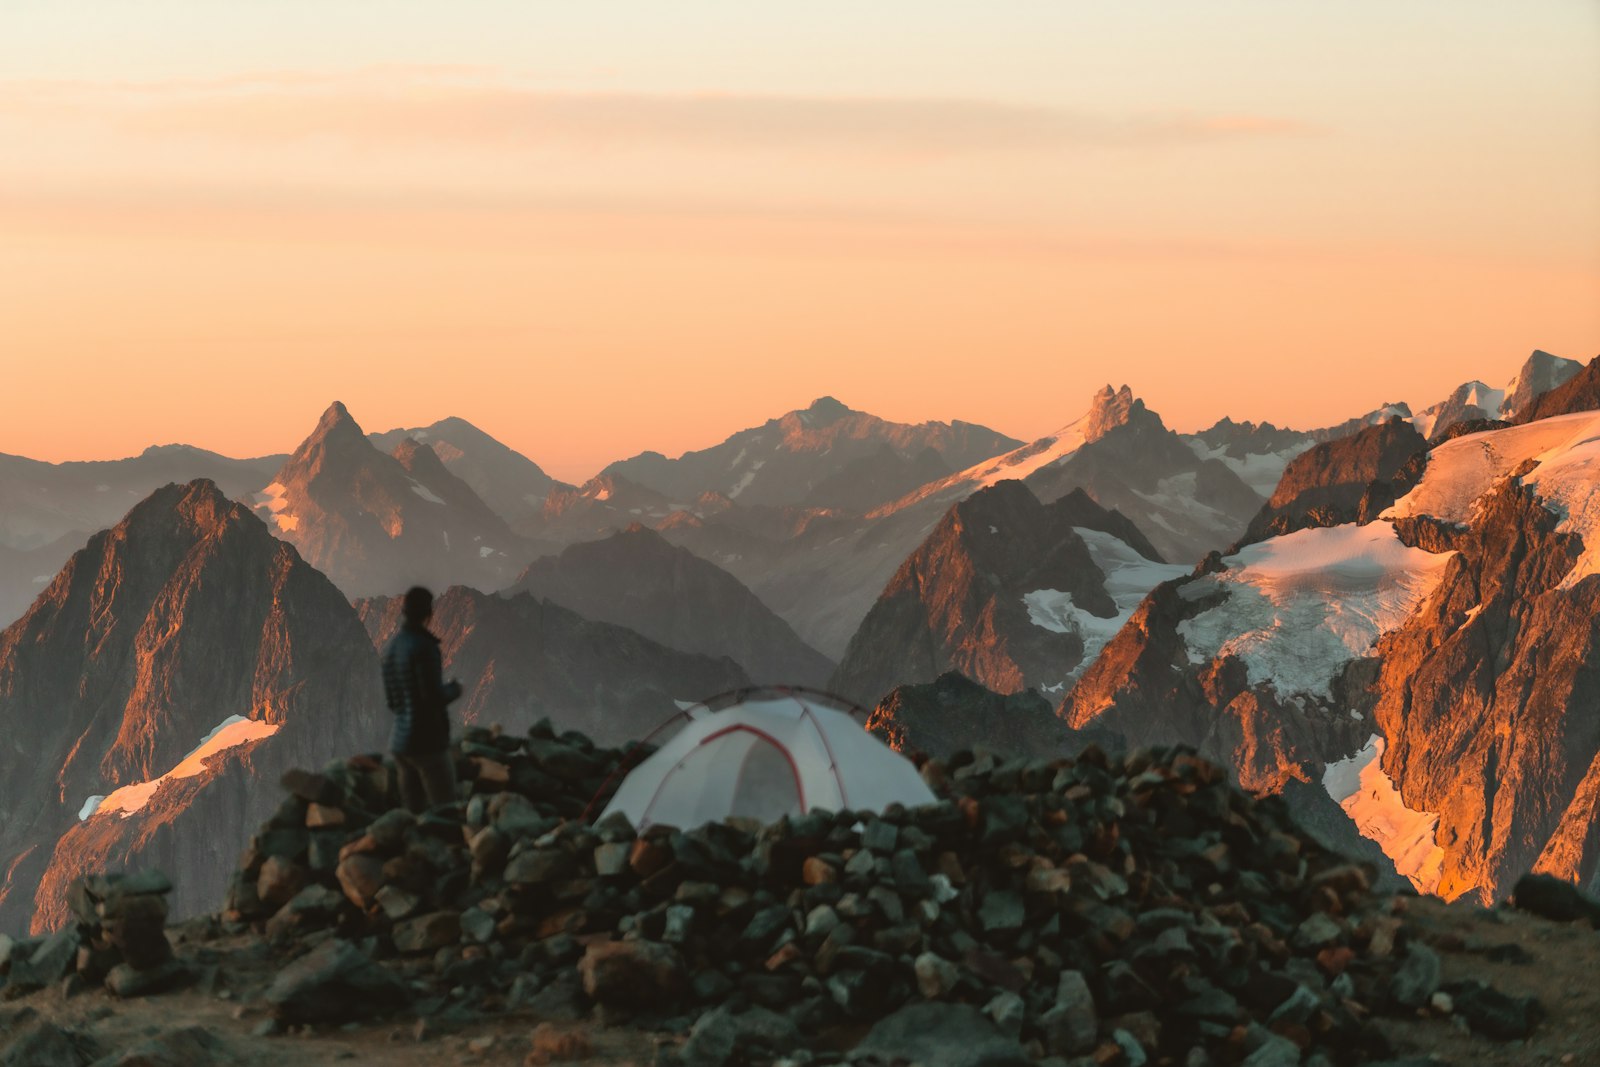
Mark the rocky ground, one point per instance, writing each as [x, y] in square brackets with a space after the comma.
[1091, 912]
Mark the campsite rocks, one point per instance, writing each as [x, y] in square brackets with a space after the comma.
[1093, 909]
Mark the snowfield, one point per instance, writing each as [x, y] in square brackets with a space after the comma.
[1301, 606]
[1567, 451]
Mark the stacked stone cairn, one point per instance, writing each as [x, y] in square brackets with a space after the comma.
[119, 939]
[1096, 910]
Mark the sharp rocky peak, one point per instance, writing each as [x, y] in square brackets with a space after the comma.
[1109, 409]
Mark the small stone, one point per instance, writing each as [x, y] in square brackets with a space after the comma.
[361, 877]
[427, 933]
[1007, 1011]
[1071, 1025]
[397, 903]
[936, 976]
[319, 816]
[539, 867]
[1417, 977]
[1318, 930]
[817, 871]
[1002, 911]
[611, 859]
[631, 974]
[554, 1044]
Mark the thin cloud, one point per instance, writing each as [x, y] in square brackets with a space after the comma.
[362, 110]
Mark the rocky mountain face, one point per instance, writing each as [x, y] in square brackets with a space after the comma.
[521, 659]
[1431, 667]
[176, 659]
[1348, 479]
[41, 503]
[1539, 375]
[638, 579]
[802, 456]
[376, 523]
[952, 712]
[1010, 592]
[509, 482]
[1579, 392]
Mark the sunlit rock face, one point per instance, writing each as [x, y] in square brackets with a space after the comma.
[1349, 479]
[159, 638]
[1433, 664]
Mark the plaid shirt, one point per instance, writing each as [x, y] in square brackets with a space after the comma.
[414, 687]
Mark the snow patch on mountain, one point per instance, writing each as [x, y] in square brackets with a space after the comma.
[231, 732]
[1129, 577]
[275, 499]
[1301, 606]
[1261, 471]
[423, 491]
[1360, 786]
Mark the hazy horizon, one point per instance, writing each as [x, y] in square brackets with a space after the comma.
[600, 230]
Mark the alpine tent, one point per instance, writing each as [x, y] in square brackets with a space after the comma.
[762, 754]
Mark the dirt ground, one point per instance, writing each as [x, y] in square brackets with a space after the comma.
[1562, 969]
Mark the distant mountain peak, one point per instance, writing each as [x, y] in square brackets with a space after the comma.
[418, 458]
[829, 408]
[1109, 409]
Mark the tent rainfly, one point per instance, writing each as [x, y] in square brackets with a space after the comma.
[764, 754]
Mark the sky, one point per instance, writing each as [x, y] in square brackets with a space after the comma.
[594, 229]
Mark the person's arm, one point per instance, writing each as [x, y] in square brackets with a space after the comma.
[431, 686]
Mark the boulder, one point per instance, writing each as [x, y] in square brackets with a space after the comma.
[335, 982]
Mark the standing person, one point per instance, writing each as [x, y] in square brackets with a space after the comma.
[417, 694]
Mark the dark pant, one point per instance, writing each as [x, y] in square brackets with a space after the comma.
[427, 779]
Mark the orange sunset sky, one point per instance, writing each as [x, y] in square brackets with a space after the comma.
[604, 227]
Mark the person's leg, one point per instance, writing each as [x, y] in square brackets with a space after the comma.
[438, 777]
[413, 794]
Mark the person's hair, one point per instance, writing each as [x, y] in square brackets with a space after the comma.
[418, 605]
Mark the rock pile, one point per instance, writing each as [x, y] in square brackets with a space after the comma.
[1087, 911]
[119, 939]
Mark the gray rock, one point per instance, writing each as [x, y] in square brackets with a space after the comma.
[720, 1037]
[126, 982]
[334, 982]
[41, 1044]
[1071, 1026]
[1417, 978]
[427, 933]
[49, 961]
[942, 1035]
[1002, 911]
[1275, 1051]
[192, 1046]
[1007, 1010]
[936, 976]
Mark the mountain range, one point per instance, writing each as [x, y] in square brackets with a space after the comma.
[1391, 621]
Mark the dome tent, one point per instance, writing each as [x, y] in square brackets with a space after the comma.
[765, 753]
